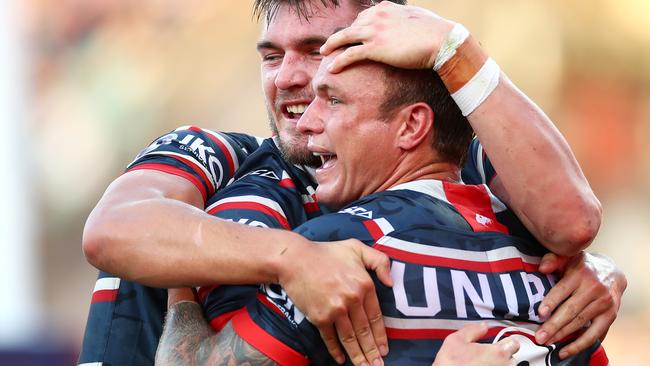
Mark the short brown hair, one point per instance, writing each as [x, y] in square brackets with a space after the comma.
[303, 8]
[451, 130]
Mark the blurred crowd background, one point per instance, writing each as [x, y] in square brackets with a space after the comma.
[86, 84]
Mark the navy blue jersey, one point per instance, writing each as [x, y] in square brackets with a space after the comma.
[206, 158]
[477, 169]
[451, 263]
[124, 323]
[125, 326]
[125, 318]
[266, 192]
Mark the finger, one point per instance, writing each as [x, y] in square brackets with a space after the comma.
[509, 346]
[551, 262]
[378, 262]
[349, 35]
[349, 56]
[473, 332]
[591, 312]
[365, 336]
[376, 320]
[349, 341]
[583, 342]
[328, 334]
[565, 314]
[557, 295]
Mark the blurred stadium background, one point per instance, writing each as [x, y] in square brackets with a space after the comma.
[87, 83]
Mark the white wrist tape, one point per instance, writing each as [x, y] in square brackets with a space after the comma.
[480, 86]
[455, 38]
[468, 73]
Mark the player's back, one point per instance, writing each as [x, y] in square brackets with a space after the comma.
[452, 263]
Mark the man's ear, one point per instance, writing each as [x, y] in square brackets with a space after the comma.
[416, 125]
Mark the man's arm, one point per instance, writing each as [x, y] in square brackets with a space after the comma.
[187, 338]
[148, 228]
[538, 176]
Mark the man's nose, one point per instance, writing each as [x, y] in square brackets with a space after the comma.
[311, 122]
[292, 73]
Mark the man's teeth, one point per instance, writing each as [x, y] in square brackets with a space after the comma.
[324, 157]
[297, 108]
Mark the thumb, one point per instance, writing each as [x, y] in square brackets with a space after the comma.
[509, 345]
[378, 262]
[552, 263]
[473, 332]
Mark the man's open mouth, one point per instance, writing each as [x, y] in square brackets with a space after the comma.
[327, 159]
[294, 111]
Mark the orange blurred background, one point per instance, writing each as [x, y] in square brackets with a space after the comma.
[100, 79]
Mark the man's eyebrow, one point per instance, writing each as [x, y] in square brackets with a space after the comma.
[305, 42]
[324, 87]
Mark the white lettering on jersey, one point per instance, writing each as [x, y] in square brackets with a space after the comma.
[511, 296]
[535, 298]
[196, 144]
[462, 285]
[165, 140]
[358, 211]
[430, 292]
[200, 148]
[286, 305]
[212, 163]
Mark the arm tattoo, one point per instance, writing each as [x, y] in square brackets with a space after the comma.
[187, 339]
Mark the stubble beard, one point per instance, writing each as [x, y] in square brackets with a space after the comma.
[292, 150]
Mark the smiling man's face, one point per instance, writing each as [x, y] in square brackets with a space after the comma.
[289, 50]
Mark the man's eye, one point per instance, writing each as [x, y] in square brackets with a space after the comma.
[271, 57]
[333, 101]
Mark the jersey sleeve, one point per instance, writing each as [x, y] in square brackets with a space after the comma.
[273, 324]
[207, 159]
[477, 169]
[257, 199]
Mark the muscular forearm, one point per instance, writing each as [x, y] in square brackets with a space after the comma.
[140, 234]
[538, 174]
[187, 339]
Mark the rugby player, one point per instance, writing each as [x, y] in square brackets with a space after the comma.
[149, 226]
[451, 260]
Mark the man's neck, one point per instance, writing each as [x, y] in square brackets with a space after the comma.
[414, 167]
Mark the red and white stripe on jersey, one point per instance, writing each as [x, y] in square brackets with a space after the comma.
[309, 202]
[410, 328]
[105, 290]
[378, 228]
[188, 161]
[223, 144]
[496, 260]
[474, 202]
[264, 342]
[250, 202]
[286, 181]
